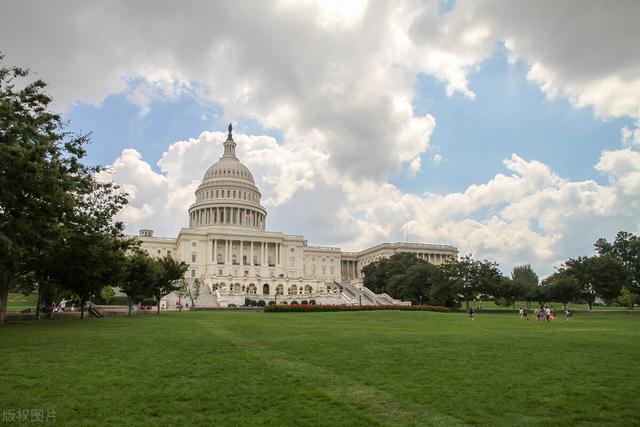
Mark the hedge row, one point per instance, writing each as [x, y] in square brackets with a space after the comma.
[304, 308]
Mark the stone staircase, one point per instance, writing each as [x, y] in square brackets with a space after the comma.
[205, 300]
[368, 296]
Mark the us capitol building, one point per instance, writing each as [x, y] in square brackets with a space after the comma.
[234, 257]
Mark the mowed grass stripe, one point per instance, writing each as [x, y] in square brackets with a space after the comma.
[370, 405]
[324, 368]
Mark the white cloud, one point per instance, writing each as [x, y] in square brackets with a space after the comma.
[339, 85]
[584, 51]
[530, 214]
[437, 159]
[415, 166]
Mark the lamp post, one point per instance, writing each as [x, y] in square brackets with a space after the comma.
[421, 300]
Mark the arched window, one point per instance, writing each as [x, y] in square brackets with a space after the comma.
[236, 287]
[234, 260]
[279, 289]
[265, 289]
[308, 289]
[293, 290]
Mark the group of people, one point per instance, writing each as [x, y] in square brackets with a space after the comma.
[62, 306]
[544, 314]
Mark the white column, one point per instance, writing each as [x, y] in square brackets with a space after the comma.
[251, 261]
[215, 252]
[262, 262]
[226, 251]
[241, 244]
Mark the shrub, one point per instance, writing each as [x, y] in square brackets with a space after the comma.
[148, 302]
[336, 307]
[250, 302]
[294, 302]
[261, 303]
[312, 302]
[119, 301]
[305, 302]
[271, 303]
[232, 306]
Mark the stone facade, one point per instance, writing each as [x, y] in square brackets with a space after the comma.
[234, 257]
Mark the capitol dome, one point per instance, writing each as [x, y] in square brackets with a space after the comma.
[228, 168]
[228, 195]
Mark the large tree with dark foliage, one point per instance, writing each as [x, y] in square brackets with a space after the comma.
[171, 272]
[378, 274]
[141, 274]
[47, 195]
[469, 277]
[602, 276]
[415, 284]
[626, 248]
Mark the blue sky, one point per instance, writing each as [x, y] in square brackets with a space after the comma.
[341, 109]
[509, 115]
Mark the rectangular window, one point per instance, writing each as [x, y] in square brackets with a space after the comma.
[193, 273]
[193, 257]
[168, 252]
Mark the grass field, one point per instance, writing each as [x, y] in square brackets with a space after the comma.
[18, 302]
[359, 368]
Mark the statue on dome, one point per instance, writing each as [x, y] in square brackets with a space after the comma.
[230, 129]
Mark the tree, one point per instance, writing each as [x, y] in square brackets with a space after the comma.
[47, 194]
[540, 293]
[626, 248]
[38, 164]
[563, 288]
[469, 277]
[626, 298]
[172, 272]
[602, 276]
[141, 274]
[87, 263]
[194, 292]
[509, 291]
[182, 290]
[107, 294]
[378, 274]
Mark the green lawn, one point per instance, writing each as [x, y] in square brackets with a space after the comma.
[362, 368]
[18, 302]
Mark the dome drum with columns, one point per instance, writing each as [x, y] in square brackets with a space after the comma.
[228, 194]
[235, 258]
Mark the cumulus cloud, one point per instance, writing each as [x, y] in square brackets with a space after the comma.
[337, 80]
[585, 51]
[527, 214]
